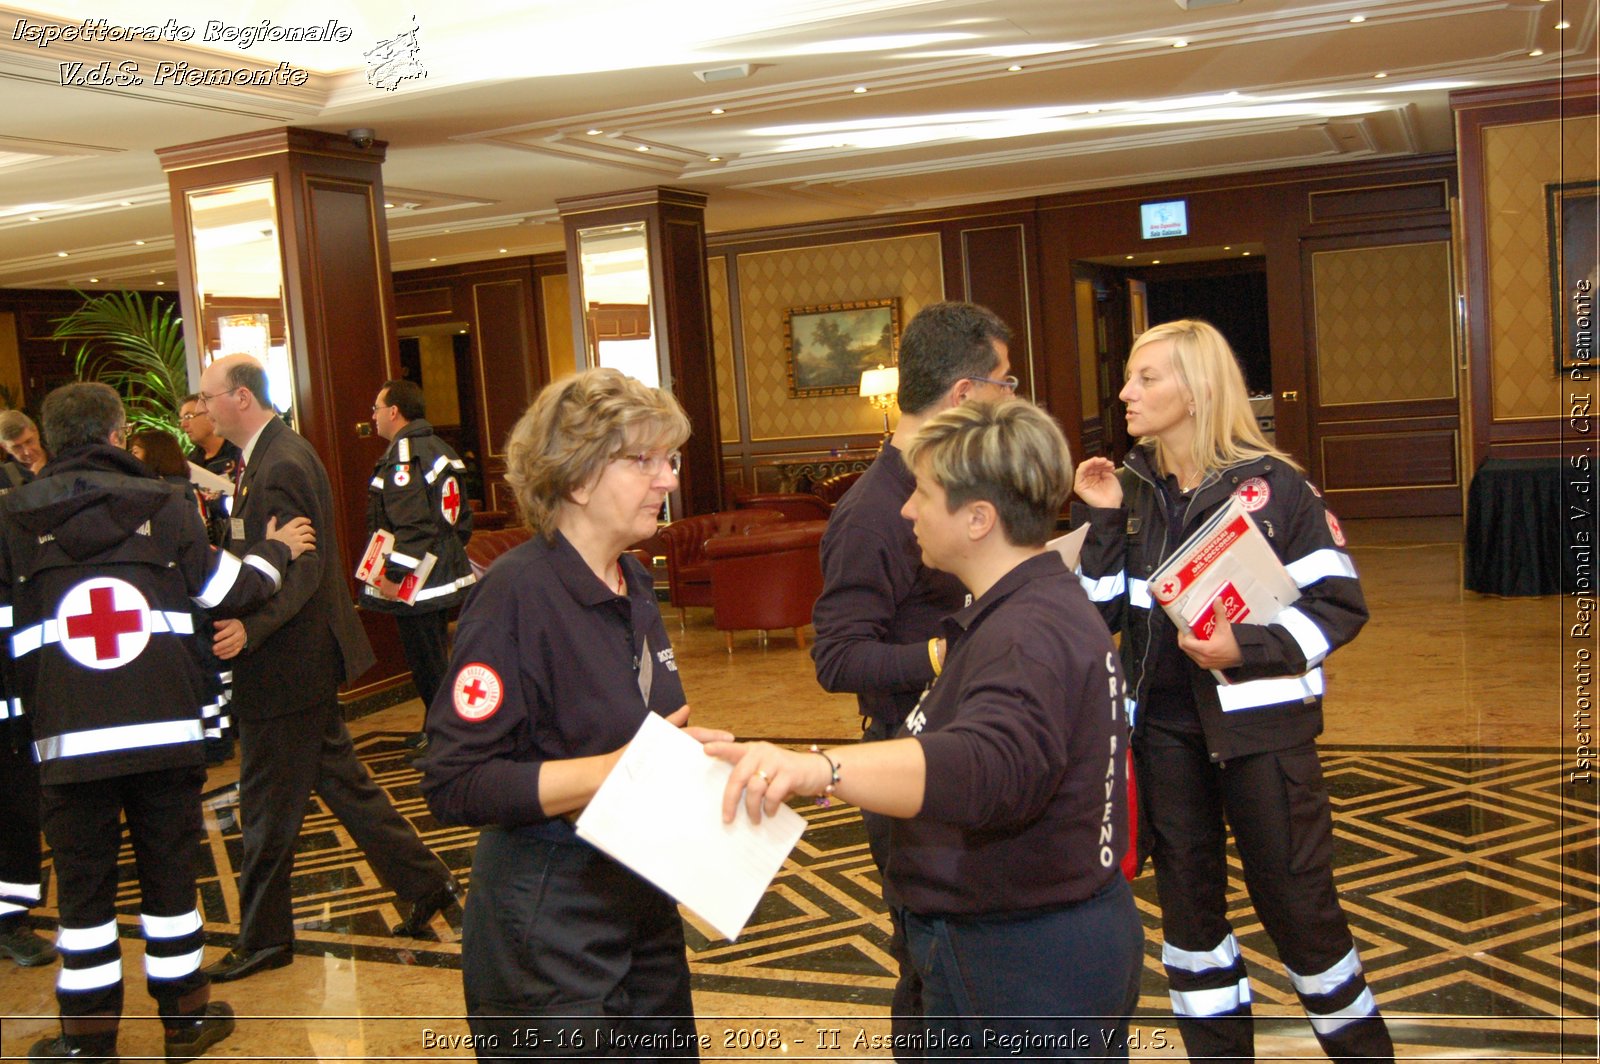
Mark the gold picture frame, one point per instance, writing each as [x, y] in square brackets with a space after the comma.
[831, 344]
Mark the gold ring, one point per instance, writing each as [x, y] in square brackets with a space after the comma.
[763, 774]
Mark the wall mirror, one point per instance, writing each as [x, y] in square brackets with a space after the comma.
[438, 356]
[618, 332]
[238, 265]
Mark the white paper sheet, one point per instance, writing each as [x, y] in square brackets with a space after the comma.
[206, 480]
[1070, 546]
[660, 813]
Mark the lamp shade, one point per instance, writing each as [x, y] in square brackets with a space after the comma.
[880, 381]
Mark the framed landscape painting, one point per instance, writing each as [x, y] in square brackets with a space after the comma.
[1573, 214]
[830, 345]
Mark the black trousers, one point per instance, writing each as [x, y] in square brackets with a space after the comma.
[20, 879]
[905, 1007]
[283, 759]
[82, 822]
[564, 952]
[425, 642]
[1277, 805]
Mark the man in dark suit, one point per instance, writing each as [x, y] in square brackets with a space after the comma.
[289, 659]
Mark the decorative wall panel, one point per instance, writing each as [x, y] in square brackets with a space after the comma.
[771, 282]
[722, 348]
[558, 325]
[1383, 324]
[1519, 160]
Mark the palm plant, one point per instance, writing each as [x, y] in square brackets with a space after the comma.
[135, 346]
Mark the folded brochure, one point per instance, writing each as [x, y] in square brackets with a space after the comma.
[376, 557]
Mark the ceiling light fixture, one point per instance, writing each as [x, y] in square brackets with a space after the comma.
[1155, 262]
[1358, 20]
[388, 206]
[594, 132]
[94, 280]
[61, 254]
[1014, 67]
[642, 147]
[1180, 44]
[1536, 53]
[129, 202]
[1563, 25]
[33, 218]
[138, 243]
[435, 258]
[1380, 74]
[859, 89]
[726, 73]
[713, 158]
[1247, 253]
[502, 251]
[160, 283]
[718, 111]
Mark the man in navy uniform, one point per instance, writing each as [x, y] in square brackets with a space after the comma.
[101, 563]
[416, 496]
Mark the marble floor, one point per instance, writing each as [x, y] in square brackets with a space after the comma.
[1467, 858]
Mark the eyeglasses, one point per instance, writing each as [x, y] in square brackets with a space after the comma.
[204, 398]
[184, 419]
[650, 464]
[1008, 382]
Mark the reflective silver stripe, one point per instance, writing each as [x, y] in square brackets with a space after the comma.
[1343, 970]
[1104, 589]
[403, 450]
[1223, 956]
[1139, 594]
[221, 581]
[5, 616]
[1363, 1006]
[377, 482]
[1269, 692]
[226, 677]
[125, 737]
[83, 939]
[173, 967]
[256, 561]
[10, 707]
[25, 891]
[34, 636]
[1320, 564]
[170, 926]
[446, 589]
[1211, 1002]
[6, 908]
[109, 974]
[1313, 644]
[439, 466]
[211, 709]
[1133, 711]
[396, 558]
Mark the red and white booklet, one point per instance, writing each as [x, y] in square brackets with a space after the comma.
[376, 556]
[1226, 558]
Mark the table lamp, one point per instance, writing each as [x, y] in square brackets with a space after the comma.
[879, 387]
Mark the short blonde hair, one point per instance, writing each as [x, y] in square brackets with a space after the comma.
[574, 427]
[1008, 453]
[1225, 428]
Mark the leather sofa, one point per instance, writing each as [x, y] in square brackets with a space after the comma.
[833, 488]
[688, 569]
[766, 579]
[794, 505]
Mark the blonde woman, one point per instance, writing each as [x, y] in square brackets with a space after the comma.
[1243, 752]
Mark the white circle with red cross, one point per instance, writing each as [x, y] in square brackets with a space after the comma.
[103, 623]
[477, 692]
[1253, 494]
[450, 499]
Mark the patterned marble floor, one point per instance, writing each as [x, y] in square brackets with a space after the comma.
[1466, 856]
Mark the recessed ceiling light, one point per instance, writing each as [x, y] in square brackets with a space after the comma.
[594, 132]
[94, 280]
[1155, 262]
[1247, 253]
[1536, 53]
[713, 158]
[718, 111]
[388, 206]
[1227, 247]
[129, 202]
[1014, 67]
[642, 147]
[1180, 44]
[138, 243]
[502, 251]
[1128, 257]
[61, 254]
[1563, 25]
[160, 283]
[33, 217]
[1380, 74]
[1357, 20]
[859, 89]
[434, 259]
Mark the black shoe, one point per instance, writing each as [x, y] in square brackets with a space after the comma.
[193, 1035]
[420, 913]
[90, 1048]
[238, 964]
[25, 945]
[414, 746]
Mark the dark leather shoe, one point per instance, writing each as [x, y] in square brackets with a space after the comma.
[418, 914]
[238, 964]
[189, 1036]
[91, 1049]
[25, 945]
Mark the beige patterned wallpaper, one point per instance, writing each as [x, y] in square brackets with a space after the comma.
[1518, 161]
[1383, 324]
[722, 348]
[771, 282]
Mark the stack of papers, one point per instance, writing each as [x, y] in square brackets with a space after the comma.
[660, 813]
[376, 556]
[1229, 559]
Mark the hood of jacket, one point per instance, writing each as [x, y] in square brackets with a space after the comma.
[88, 499]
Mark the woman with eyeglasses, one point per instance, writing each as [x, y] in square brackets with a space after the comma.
[559, 655]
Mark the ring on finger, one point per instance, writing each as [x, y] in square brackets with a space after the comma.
[763, 774]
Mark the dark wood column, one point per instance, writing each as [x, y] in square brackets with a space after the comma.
[674, 221]
[338, 306]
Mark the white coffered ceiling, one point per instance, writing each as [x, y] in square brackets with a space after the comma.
[801, 110]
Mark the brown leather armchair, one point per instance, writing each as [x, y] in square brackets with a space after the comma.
[794, 505]
[688, 570]
[768, 578]
[833, 488]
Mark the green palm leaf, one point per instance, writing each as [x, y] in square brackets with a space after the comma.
[135, 346]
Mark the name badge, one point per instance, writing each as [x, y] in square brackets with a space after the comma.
[236, 529]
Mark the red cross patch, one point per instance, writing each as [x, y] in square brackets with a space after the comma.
[450, 500]
[103, 623]
[477, 692]
[402, 475]
[1333, 528]
[1253, 494]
